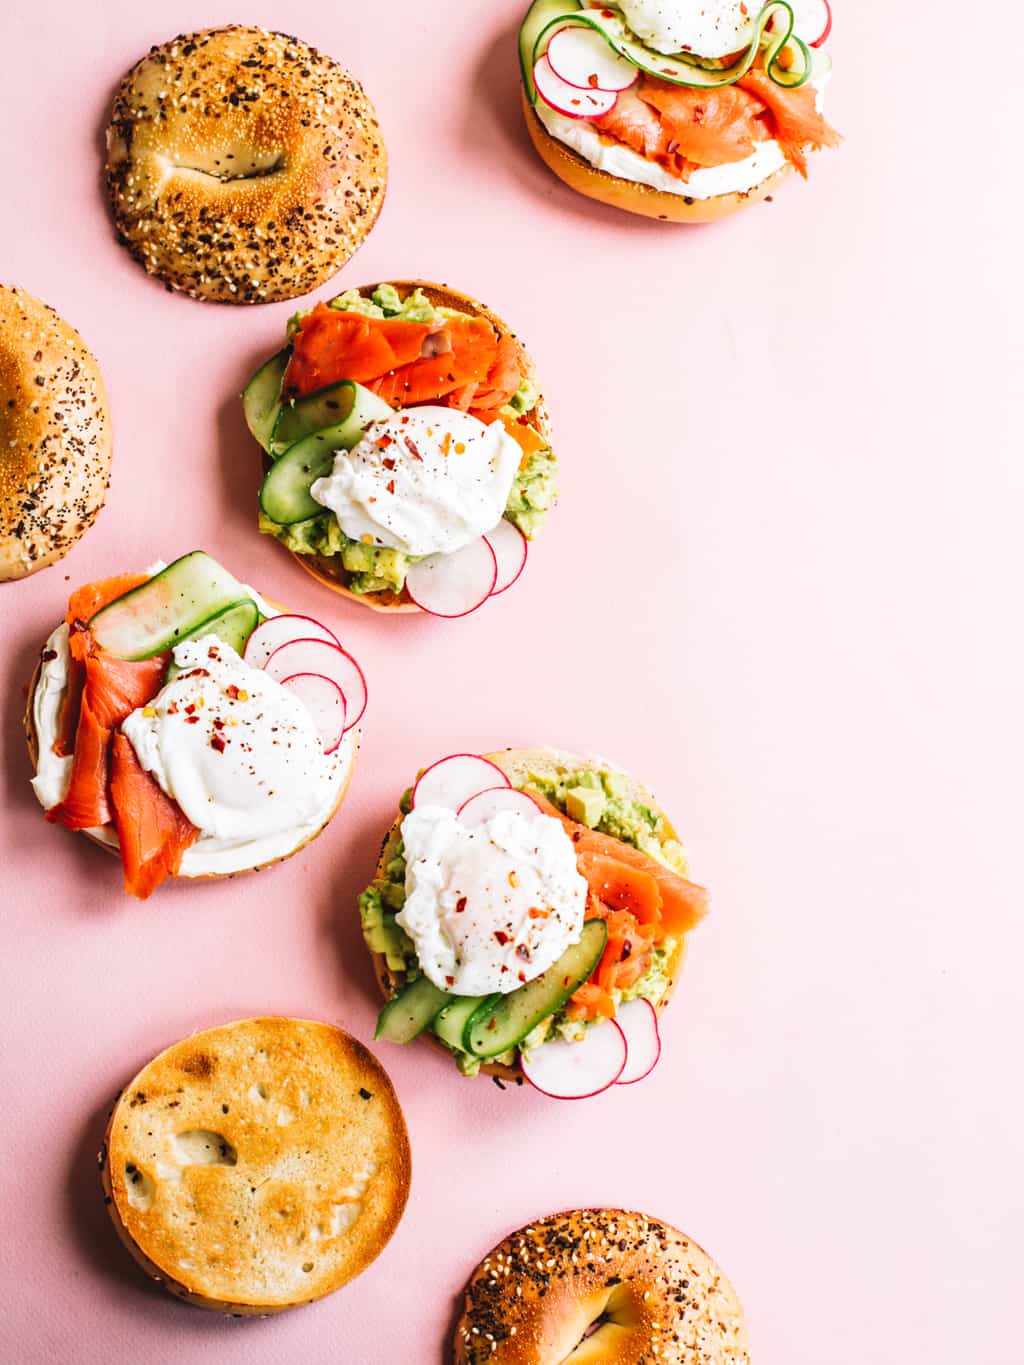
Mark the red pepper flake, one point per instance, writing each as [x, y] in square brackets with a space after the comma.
[446, 444]
[219, 743]
[172, 710]
[592, 80]
[47, 655]
[389, 463]
[492, 1025]
[410, 446]
[450, 980]
[391, 485]
[191, 720]
[197, 673]
[382, 443]
[232, 691]
[218, 724]
[460, 905]
[522, 977]
[535, 912]
[501, 937]
[190, 708]
[523, 953]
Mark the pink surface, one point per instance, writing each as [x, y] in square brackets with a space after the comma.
[783, 586]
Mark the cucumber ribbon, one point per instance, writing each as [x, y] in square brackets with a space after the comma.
[684, 69]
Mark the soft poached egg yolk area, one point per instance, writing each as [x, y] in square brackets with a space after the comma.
[489, 907]
[428, 480]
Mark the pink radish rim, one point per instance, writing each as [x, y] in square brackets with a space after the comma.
[312, 640]
[344, 703]
[496, 591]
[486, 791]
[479, 757]
[289, 616]
[657, 1056]
[590, 1093]
[457, 615]
[568, 113]
[828, 26]
[604, 89]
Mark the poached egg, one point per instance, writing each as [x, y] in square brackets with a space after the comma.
[427, 480]
[492, 906]
[707, 28]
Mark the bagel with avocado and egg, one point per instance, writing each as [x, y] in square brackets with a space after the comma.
[529, 913]
[407, 448]
[675, 109]
[180, 720]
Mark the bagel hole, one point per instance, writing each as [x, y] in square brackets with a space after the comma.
[200, 1147]
[230, 166]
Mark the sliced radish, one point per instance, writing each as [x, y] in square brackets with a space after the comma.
[456, 584]
[582, 58]
[575, 1071]
[320, 656]
[638, 1020]
[810, 16]
[570, 99]
[510, 551]
[452, 782]
[279, 630]
[485, 805]
[325, 701]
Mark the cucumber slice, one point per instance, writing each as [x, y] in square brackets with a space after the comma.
[450, 1024]
[682, 69]
[412, 1010]
[234, 625]
[329, 407]
[154, 617]
[285, 496]
[494, 1028]
[261, 397]
[539, 19]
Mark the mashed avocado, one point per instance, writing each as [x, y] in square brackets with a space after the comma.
[373, 569]
[606, 794]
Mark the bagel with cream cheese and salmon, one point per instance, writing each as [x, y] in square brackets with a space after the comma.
[407, 449]
[530, 913]
[180, 720]
[675, 109]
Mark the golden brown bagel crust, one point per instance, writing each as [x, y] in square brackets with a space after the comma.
[291, 1178]
[580, 175]
[517, 765]
[327, 569]
[243, 166]
[55, 442]
[658, 1296]
[32, 741]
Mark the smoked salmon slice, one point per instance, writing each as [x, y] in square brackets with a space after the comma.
[112, 691]
[621, 887]
[794, 119]
[152, 829]
[331, 345]
[707, 127]
[683, 903]
[472, 351]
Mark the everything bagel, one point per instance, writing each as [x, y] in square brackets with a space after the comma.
[243, 166]
[55, 442]
[600, 1285]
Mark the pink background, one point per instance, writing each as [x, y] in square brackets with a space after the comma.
[783, 585]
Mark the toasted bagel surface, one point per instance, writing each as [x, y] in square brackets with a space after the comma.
[630, 195]
[257, 1166]
[243, 166]
[55, 442]
[600, 1285]
[327, 569]
[518, 764]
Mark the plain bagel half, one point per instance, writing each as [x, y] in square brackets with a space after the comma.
[55, 442]
[327, 569]
[518, 764]
[243, 166]
[630, 195]
[596, 1286]
[257, 1166]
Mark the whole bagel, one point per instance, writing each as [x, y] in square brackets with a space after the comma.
[110, 844]
[55, 443]
[596, 1286]
[517, 764]
[610, 189]
[257, 1166]
[327, 569]
[243, 166]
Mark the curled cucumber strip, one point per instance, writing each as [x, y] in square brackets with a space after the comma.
[787, 59]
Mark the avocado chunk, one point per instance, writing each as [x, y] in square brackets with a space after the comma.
[585, 804]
